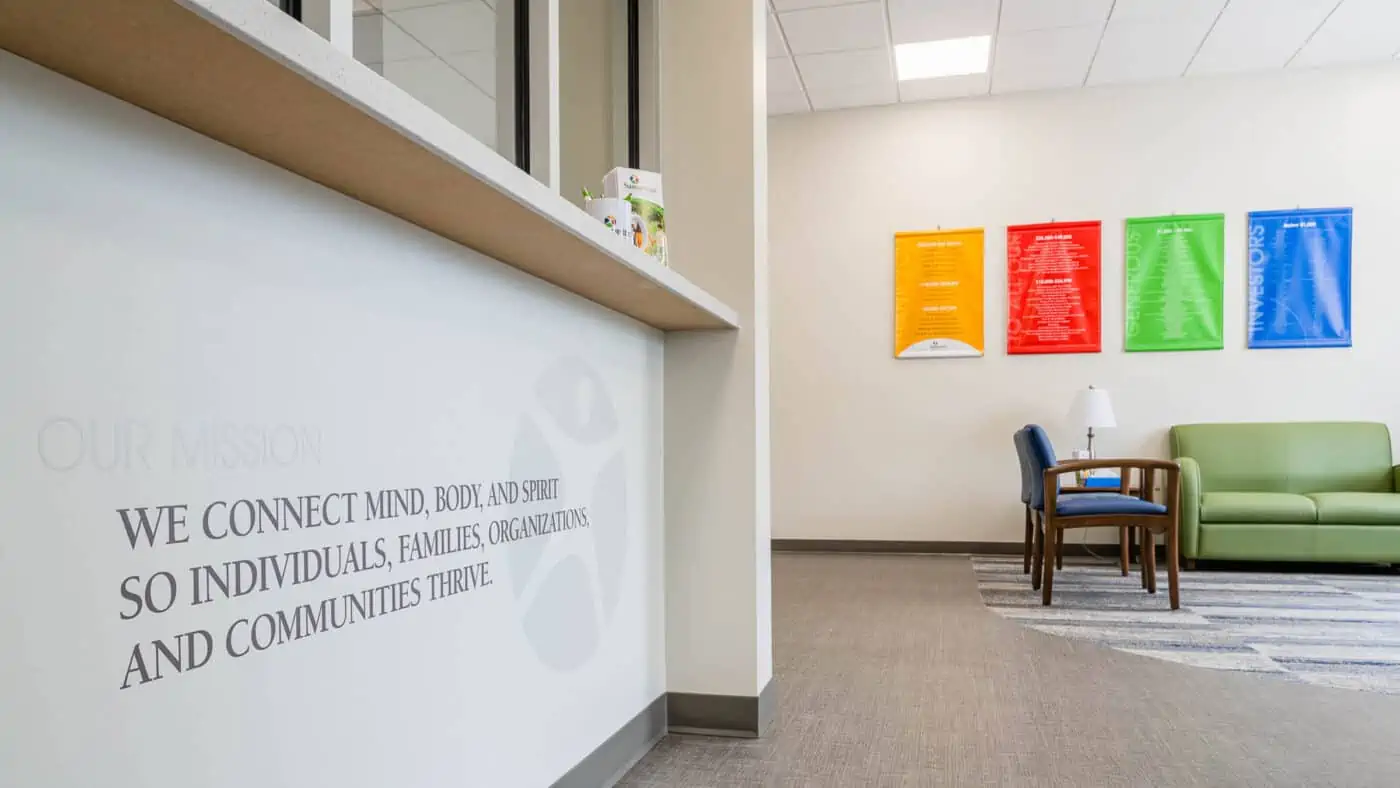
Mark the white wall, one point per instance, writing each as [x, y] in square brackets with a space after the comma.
[183, 324]
[867, 447]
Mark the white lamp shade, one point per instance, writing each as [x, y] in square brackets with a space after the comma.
[1092, 409]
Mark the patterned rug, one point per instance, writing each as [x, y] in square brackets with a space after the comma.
[1336, 630]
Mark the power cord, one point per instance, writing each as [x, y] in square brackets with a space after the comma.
[1084, 544]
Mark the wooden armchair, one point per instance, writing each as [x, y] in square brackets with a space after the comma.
[1105, 510]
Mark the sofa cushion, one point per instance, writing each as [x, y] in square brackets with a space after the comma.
[1362, 543]
[1344, 508]
[1294, 457]
[1257, 507]
[1263, 542]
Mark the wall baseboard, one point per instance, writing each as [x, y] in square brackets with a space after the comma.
[925, 548]
[607, 764]
[722, 715]
[712, 715]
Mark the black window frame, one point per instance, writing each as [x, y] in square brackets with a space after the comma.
[634, 84]
[522, 84]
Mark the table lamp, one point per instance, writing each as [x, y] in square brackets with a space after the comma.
[1092, 408]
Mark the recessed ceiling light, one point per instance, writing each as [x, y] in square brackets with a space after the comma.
[950, 57]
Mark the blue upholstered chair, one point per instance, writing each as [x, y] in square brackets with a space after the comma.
[1023, 451]
[1059, 513]
[1023, 455]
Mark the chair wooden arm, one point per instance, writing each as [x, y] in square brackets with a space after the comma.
[1136, 463]
[1147, 467]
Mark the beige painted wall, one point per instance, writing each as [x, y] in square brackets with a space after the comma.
[717, 475]
[867, 447]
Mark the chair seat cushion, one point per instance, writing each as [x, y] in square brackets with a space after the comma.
[1257, 507]
[1357, 508]
[1089, 504]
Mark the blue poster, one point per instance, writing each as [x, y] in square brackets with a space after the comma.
[1300, 278]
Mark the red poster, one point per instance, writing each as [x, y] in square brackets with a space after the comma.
[1052, 282]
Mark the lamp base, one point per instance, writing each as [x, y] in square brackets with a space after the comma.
[1081, 476]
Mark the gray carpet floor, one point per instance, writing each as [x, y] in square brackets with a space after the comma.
[892, 672]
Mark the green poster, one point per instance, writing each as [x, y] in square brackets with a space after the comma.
[1176, 283]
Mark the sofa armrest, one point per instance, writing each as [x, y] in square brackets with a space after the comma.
[1190, 507]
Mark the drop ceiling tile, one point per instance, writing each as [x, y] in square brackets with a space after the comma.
[782, 76]
[835, 29]
[448, 93]
[396, 44]
[479, 67]
[787, 103]
[848, 79]
[834, 70]
[1043, 59]
[1021, 15]
[1166, 10]
[932, 20]
[793, 5]
[1358, 31]
[1143, 51]
[451, 28]
[854, 96]
[944, 87]
[363, 7]
[400, 5]
[775, 38]
[1259, 34]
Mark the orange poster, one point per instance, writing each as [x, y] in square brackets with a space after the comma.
[938, 294]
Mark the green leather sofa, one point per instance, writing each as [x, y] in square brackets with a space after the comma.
[1319, 491]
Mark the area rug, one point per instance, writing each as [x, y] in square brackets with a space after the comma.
[1335, 630]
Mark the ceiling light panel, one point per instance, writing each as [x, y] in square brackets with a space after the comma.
[952, 57]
